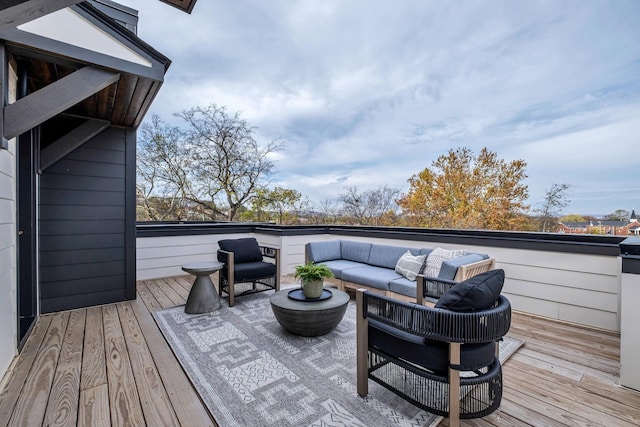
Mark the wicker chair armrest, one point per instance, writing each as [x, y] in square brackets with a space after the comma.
[433, 287]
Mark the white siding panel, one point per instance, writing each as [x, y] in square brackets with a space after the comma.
[533, 305]
[585, 316]
[8, 300]
[562, 294]
[568, 278]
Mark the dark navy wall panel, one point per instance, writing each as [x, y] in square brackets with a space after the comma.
[87, 231]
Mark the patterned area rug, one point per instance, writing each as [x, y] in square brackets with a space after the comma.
[250, 372]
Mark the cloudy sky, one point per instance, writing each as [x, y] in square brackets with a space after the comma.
[367, 93]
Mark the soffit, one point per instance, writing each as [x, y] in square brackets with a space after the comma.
[48, 56]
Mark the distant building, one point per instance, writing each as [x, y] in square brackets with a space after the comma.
[612, 227]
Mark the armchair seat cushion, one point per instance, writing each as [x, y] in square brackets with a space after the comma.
[430, 354]
[249, 271]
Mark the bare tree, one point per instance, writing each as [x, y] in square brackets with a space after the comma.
[162, 180]
[370, 206]
[228, 163]
[555, 200]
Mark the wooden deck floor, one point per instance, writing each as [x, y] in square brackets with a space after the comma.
[110, 365]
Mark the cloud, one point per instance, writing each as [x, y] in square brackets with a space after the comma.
[369, 93]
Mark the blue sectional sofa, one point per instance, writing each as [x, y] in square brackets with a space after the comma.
[358, 264]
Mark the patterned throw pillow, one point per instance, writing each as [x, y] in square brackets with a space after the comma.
[436, 257]
[410, 265]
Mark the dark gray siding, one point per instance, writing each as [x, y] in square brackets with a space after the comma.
[87, 224]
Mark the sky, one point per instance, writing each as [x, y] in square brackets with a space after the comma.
[367, 93]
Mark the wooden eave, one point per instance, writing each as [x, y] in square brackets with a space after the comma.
[122, 103]
[16, 12]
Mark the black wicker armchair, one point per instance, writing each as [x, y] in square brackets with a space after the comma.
[245, 271]
[442, 359]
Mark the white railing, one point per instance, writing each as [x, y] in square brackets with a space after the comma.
[573, 287]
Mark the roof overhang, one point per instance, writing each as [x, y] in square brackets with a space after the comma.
[17, 12]
[60, 49]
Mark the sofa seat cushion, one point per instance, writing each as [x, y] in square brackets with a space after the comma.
[373, 277]
[404, 286]
[449, 267]
[388, 256]
[250, 271]
[337, 266]
[479, 292]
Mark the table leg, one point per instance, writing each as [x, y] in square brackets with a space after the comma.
[203, 297]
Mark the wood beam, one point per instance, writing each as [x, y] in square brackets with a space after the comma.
[69, 142]
[184, 5]
[17, 12]
[36, 108]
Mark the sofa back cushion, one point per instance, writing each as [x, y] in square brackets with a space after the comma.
[449, 267]
[477, 293]
[323, 251]
[355, 251]
[388, 256]
[244, 250]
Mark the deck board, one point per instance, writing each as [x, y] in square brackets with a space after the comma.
[110, 365]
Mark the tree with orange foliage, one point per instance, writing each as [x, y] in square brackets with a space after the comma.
[461, 190]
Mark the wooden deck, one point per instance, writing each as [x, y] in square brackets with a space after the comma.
[110, 365]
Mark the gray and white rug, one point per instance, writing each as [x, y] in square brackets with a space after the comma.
[250, 372]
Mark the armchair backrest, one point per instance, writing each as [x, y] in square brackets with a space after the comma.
[244, 250]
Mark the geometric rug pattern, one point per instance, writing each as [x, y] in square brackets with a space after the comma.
[250, 372]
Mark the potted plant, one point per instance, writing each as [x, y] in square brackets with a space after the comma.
[312, 278]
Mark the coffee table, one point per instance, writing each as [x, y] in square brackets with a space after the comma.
[309, 318]
[203, 297]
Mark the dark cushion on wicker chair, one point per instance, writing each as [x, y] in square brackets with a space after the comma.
[244, 250]
[477, 293]
[429, 354]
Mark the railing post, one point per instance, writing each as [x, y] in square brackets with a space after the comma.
[629, 313]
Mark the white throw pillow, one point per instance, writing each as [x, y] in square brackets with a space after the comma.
[410, 265]
[436, 257]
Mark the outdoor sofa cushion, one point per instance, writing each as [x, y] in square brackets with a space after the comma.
[367, 275]
[477, 293]
[340, 265]
[437, 257]
[324, 251]
[388, 256]
[404, 286]
[355, 251]
[449, 267]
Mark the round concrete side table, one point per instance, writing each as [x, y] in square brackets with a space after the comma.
[203, 297]
[309, 318]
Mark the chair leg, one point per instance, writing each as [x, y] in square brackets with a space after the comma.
[232, 279]
[362, 346]
[454, 385]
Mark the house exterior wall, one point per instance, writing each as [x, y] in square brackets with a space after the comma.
[86, 220]
[573, 287]
[8, 265]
